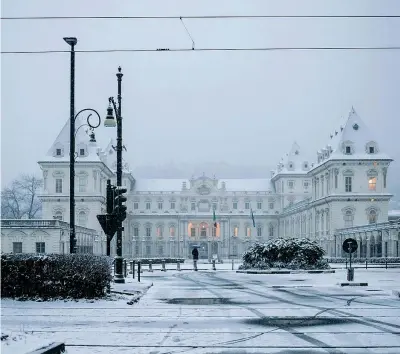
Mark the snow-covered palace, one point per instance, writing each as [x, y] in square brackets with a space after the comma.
[345, 187]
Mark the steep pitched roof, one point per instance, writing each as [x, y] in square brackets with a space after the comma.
[355, 135]
[82, 138]
[293, 162]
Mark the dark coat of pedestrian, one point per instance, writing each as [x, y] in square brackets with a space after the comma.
[195, 253]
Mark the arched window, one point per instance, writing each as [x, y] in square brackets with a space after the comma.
[159, 231]
[248, 231]
[372, 217]
[348, 218]
[235, 231]
[82, 218]
[172, 230]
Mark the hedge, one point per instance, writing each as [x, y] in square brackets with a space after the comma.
[159, 260]
[285, 253]
[54, 276]
[372, 260]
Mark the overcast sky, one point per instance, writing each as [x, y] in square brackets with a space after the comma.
[242, 108]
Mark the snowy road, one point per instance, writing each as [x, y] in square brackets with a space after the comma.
[226, 312]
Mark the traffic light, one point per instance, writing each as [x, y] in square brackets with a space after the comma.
[110, 197]
[119, 198]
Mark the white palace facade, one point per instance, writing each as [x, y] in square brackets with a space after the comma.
[345, 187]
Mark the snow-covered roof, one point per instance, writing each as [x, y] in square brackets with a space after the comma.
[246, 184]
[82, 140]
[355, 135]
[293, 162]
[175, 185]
[110, 158]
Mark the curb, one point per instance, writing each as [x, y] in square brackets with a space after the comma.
[396, 293]
[284, 271]
[353, 284]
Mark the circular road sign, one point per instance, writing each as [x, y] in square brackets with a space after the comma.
[350, 245]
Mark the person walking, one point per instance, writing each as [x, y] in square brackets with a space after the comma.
[195, 254]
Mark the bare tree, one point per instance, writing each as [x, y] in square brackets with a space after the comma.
[20, 199]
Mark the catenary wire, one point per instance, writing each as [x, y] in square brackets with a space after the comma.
[202, 17]
[255, 49]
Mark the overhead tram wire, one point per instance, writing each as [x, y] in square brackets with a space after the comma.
[189, 17]
[253, 49]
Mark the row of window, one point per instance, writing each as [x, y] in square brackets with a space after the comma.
[348, 183]
[349, 217]
[40, 247]
[82, 184]
[81, 221]
[160, 205]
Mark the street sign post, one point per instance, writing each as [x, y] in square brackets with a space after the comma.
[109, 224]
[350, 246]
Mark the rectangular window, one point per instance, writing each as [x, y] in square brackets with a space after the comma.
[305, 184]
[271, 205]
[148, 231]
[347, 183]
[203, 232]
[247, 205]
[193, 206]
[160, 205]
[172, 231]
[371, 149]
[148, 205]
[160, 250]
[159, 231]
[214, 206]
[17, 247]
[137, 250]
[235, 205]
[148, 250]
[291, 184]
[136, 232]
[348, 150]
[82, 184]
[172, 205]
[372, 183]
[82, 152]
[235, 231]
[336, 181]
[259, 231]
[135, 205]
[248, 231]
[58, 152]
[259, 205]
[59, 185]
[40, 247]
[192, 232]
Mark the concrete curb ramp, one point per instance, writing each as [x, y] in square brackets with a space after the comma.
[53, 348]
[353, 284]
[285, 271]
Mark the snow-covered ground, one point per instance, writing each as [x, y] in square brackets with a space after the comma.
[220, 312]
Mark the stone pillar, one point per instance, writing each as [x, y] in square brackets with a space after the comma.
[368, 246]
[359, 237]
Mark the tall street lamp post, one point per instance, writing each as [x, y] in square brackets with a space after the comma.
[72, 155]
[110, 122]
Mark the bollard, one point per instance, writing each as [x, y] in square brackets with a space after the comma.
[178, 266]
[233, 266]
[350, 274]
[138, 271]
[163, 266]
[133, 269]
[213, 264]
[150, 267]
[130, 267]
[125, 268]
[366, 264]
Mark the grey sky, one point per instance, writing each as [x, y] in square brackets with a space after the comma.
[241, 108]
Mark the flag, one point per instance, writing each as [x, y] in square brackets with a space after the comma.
[214, 218]
[252, 217]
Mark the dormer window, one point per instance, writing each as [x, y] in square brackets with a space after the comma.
[81, 152]
[371, 150]
[348, 150]
[58, 152]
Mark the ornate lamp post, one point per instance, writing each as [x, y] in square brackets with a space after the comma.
[111, 122]
[72, 155]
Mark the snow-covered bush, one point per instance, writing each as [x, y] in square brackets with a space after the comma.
[54, 275]
[285, 253]
[159, 260]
